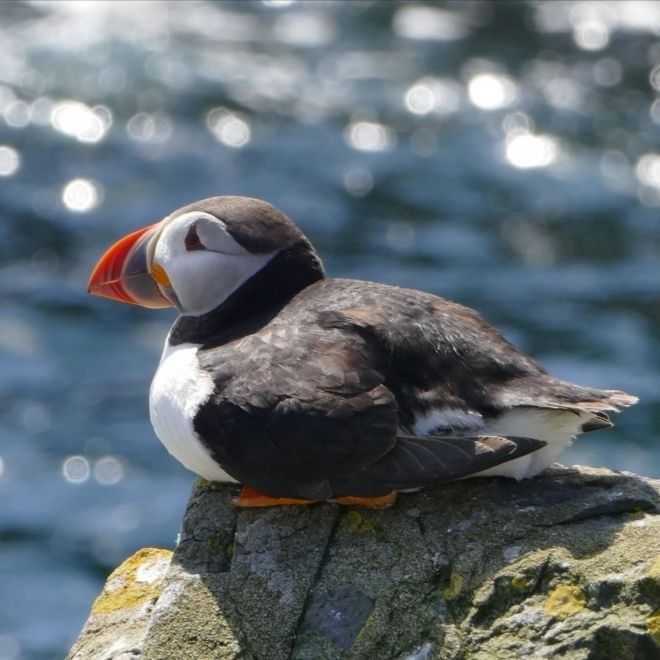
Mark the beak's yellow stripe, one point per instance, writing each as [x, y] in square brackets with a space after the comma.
[159, 274]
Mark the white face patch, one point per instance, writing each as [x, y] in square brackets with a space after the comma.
[204, 278]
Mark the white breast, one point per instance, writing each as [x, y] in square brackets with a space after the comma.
[177, 391]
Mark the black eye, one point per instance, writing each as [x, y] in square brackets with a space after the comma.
[192, 240]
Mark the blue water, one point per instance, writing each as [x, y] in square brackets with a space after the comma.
[506, 155]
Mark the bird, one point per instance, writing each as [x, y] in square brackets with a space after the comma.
[306, 388]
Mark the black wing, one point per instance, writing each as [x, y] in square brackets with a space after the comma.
[294, 409]
[417, 462]
[304, 414]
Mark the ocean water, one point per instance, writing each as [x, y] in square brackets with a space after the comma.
[506, 155]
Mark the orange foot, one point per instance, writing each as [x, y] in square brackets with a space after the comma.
[249, 497]
[382, 502]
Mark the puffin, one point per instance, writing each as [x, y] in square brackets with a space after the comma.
[305, 388]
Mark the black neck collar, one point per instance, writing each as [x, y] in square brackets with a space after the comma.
[254, 303]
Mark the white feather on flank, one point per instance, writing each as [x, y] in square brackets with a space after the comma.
[557, 428]
[447, 420]
[178, 389]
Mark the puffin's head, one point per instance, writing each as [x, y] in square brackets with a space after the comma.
[196, 257]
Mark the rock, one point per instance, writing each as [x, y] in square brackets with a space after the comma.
[120, 616]
[566, 565]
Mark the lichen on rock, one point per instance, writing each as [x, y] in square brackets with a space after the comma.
[135, 581]
[121, 614]
[563, 601]
[563, 566]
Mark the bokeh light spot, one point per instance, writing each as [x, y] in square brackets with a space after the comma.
[432, 23]
[420, 99]
[591, 34]
[81, 195]
[10, 160]
[108, 471]
[17, 114]
[526, 151]
[358, 181]
[76, 470]
[491, 91]
[229, 128]
[79, 121]
[648, 170]
[654, 78]
[369, 136]
[438, 95]
[654, 111]
[149, 127]
[305, 30]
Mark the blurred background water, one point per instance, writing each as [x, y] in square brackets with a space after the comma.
[504, 154]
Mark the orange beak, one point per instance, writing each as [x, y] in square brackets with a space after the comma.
[123, 273]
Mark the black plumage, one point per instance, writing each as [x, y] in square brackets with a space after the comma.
[318, 382]
[311, 402]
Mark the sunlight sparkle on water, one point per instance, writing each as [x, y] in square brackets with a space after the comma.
[369, 136]
[76, 470]
[418, 22]
[420, 99]
[654, 78]
[654, 111]
[150, 127]
[358, 181]
[492, 91]
[78, 120]
[526, 151]
[433, 95]
[10, 160]
[228, 127]
[108, 471]
[304, 29]
[17, 114]
[591, 34]
[81, 195]
[648, 170]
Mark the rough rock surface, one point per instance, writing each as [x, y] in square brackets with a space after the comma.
[121, 615]
[563, 566]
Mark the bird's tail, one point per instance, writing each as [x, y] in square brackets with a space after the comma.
[543, 391]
